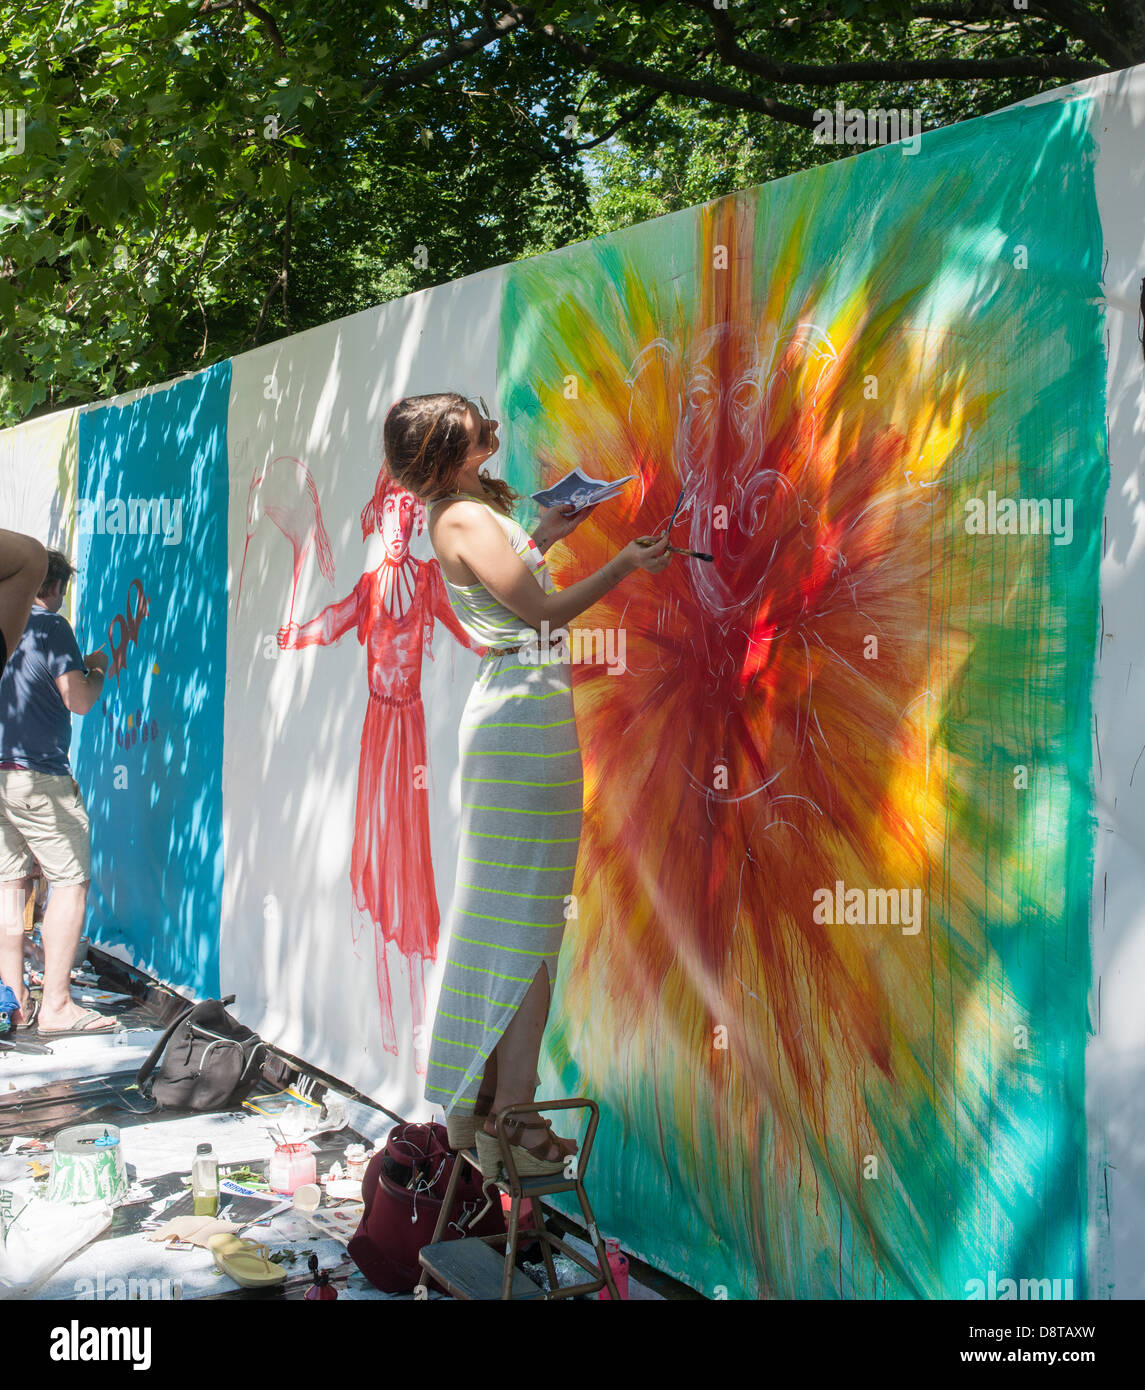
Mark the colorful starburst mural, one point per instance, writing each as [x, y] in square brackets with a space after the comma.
[828, 968]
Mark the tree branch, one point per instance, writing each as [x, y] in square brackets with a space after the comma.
[623, 120]
[893, 69]
[663, 82]
[279, 280]
[1076, 19]
[626, 118]
[256, 11]
[463, 48]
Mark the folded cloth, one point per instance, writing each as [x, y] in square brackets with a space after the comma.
[195, 1230]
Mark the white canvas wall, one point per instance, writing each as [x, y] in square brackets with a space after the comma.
[38, 478]
[1116, 1055]
[293, 722]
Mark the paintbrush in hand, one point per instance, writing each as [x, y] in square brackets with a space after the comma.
[676, 550]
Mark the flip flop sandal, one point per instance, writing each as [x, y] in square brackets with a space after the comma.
[245, 1262]
[33, 1014]
[82, 1026]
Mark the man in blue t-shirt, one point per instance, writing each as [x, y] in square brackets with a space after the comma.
[42, 814]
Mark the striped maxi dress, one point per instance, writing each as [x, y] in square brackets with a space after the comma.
[521, 804]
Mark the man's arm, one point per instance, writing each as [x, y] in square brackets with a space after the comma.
[79, 688]
[79, 692]
[330, 626]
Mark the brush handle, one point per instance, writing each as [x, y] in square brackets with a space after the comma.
[676, 550]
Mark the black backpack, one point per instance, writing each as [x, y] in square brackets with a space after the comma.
[211, 1061]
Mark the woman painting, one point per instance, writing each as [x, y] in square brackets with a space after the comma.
[393, 610]
[521, 789]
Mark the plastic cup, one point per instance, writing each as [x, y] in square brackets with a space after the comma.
[308, 1197]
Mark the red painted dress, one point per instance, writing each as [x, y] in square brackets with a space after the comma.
[391, 871]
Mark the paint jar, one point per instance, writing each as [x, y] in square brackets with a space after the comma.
[618, 1263]
[291, 1166]
[356, 1162]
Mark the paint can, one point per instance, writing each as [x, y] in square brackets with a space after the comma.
[88, 1166]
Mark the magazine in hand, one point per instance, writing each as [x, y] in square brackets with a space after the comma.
[579, 489]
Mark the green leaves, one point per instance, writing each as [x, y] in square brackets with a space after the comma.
[112, 191]
[203, 216]
[145, 148]
[279, 181]
[286, 101]
[19, 215]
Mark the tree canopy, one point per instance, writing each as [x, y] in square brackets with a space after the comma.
[183, 181]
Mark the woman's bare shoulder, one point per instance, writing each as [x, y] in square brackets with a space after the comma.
[464, 527]
[459, 508]
[464, 516]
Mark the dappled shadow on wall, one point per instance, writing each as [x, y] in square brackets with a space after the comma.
[152, 507]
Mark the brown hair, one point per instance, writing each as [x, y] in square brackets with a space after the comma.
[424, 443]
[59, 567]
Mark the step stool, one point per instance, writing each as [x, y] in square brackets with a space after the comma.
[471, 1268]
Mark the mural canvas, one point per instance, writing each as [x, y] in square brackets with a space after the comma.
[856, 945]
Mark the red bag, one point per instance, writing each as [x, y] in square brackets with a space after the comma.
[399, 1219]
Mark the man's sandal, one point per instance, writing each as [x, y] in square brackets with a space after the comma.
[33, 1012]
[90, 1022]
[531, 1161]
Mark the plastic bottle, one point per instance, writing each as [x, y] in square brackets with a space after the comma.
[618, 1264]
[205, 1181]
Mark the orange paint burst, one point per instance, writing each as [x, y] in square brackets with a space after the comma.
[777, 728]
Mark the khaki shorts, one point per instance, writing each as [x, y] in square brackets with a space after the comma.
[43, 815]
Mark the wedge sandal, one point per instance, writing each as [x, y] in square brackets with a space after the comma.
[531, 1161]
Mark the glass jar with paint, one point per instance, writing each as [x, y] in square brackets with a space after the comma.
[291, 1166]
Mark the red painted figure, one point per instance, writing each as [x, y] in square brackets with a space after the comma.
[393, 609]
